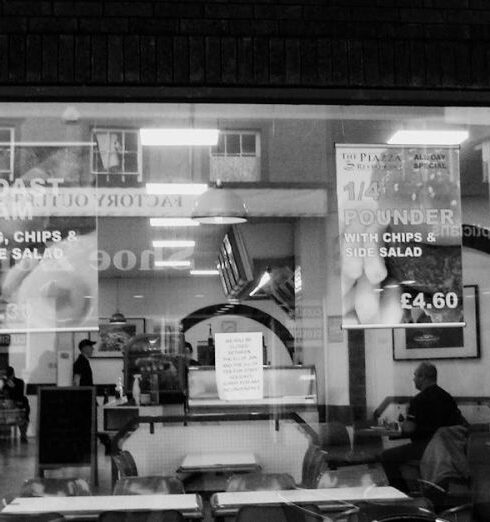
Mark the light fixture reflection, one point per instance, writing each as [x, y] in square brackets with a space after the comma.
[176, 189]
[428, 137]
[172, 264]
[173, 222]
[266, 277]
[173, 243]
[157, 137]
[204, 272]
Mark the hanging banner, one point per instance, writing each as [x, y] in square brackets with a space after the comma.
[47, 280]
[400, 236]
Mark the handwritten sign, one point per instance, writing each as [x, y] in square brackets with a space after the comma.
[239, 371]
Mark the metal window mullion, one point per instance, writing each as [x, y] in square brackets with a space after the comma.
[12, 152]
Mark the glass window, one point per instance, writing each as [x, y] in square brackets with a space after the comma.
[288, 311]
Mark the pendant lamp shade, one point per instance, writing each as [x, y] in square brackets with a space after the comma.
[219, 206]
[117, 318]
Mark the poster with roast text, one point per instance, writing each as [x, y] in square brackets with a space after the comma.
[399, 213]
[48, 270]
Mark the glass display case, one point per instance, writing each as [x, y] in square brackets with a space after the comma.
[162, 367]
[285, 388]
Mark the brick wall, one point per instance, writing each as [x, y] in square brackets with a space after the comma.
[416, 44]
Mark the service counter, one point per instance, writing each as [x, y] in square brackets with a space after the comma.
[116, 415]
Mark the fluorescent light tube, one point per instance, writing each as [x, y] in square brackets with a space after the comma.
[173, 222]
[181, 189]
[173, 243]
[178, 137]
[204, 272]
[428, 137]
[170, 264]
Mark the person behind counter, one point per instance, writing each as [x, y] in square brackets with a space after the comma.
[82, 371]
[188, 355]
[428, 411]
[14, 389]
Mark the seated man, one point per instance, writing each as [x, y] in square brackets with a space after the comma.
[429, 410]
[14, 390]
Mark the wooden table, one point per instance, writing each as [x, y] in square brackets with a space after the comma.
[223, 462]
[189, 505]
[331, 499]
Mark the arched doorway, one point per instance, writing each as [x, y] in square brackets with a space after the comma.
[250, 312]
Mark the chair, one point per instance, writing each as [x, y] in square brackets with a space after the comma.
[314, 462]
[148, 486]
[282, 513]
[49, 487]
[445, 498]
[141, 516]
[412, 510]
[260, 482]
[335, 440]
[479, 464]
[40, 517]
[125, 464]
[352, 476]
[462, 513]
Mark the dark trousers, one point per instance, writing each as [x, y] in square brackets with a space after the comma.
[393, 459]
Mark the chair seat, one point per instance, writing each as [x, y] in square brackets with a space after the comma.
[148, 485]
[283, 513]
[353, 476]
[338, 457]
[45, 487]
[411, 510]
[444, 498]
[260, 482]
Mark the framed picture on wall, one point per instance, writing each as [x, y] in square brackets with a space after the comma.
[111, 338]
[442, 343]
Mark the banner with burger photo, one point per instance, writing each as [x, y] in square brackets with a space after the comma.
[400, 236]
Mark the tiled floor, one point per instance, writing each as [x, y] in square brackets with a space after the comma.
[18, 463]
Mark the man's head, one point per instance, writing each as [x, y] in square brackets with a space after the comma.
[10, 372]
[188, 350]
[86, 346]
[424, 375]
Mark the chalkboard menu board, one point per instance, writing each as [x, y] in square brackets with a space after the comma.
[66, 427]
